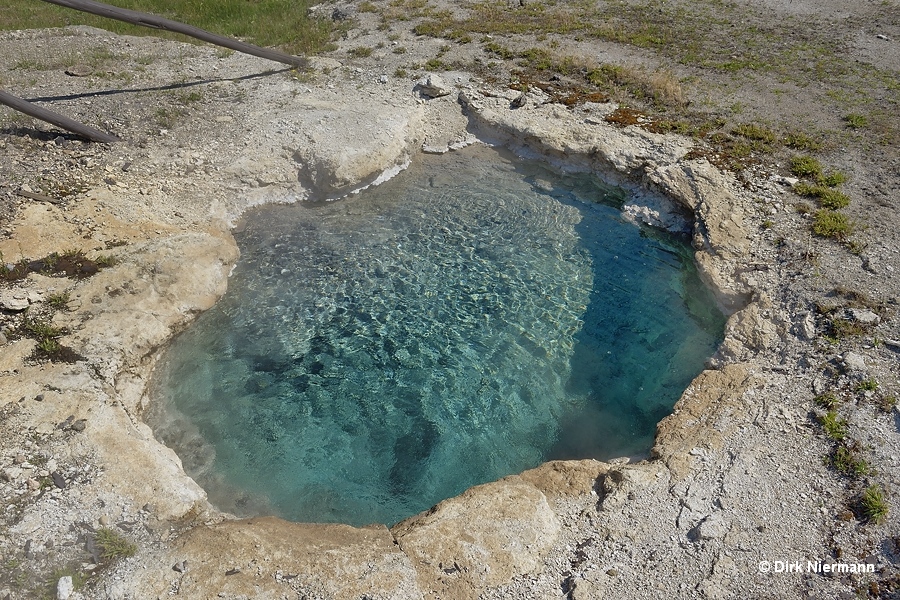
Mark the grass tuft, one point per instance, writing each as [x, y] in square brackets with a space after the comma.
[872, 504]
[834, 426]
[113, 545]
[828, 400]
[856, 121]
[847, 462]
[806, 166]
[831, 224]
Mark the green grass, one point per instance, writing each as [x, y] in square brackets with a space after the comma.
[856, 121]
[869, 385]
[360, 52]
[828, 400]
[58, 300]
[847, 462]
[832, 179]
[756, 132]
[872, 504]
[805, 166]
[113, 545]
[262, 22]
[831, 224]
[799, 140]
[833, 199]
[833, 426]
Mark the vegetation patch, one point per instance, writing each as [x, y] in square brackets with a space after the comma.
[872, 506]
[834, 426]
[832, 224]
[846, 460]
[71, 263]
[113, 545]
[828, 400]
[805, 166]
[283, 23]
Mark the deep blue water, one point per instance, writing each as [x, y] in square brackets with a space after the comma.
[469, 319]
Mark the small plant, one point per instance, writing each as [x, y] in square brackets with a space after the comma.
[58, 301]
[400, 50]
[49, 346]
[767, 224]
[833, 199]
[872, 504]
[806, 166]
[843, 328]
[400, 73]
[833, 179]
[435, 64]
[828, 400]
[845, 461]
[801, 141]
[360, 52]
[803, 208]
[105, 260]
[41, 329]
[887, 403]
[834, 426]
[113, 545]
[756, 133]
[856, 121]
[828, 223]
[869, 385]
[829, 198]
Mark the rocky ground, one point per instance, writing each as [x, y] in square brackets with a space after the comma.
[768, 455]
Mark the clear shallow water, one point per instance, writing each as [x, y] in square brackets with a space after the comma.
[467, 320]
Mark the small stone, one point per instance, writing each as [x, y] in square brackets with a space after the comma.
[10, 473]
[33, 485]
[13, 301]
[180, 566]
[806, 326]
[79, 71]
[19, 459]
[612, 572]
[432, 86]
[854, 361]
[39, 398]
[58, 480]
[712, 527]
[383, 79]
[64, 588]
[79, 425]
[520, 101]
[232, 572]
[864, 316]
[3, 339]
[103, 520]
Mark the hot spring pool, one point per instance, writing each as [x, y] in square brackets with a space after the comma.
[471, 318]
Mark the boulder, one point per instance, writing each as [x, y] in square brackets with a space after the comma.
[480, 539]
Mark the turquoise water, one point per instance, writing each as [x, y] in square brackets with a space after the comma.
[469, 319]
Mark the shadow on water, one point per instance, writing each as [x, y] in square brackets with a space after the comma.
[657, 351]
